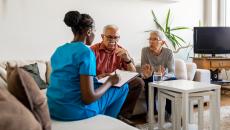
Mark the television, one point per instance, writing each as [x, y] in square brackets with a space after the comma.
[211, 40]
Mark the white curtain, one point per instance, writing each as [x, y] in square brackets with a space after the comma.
[227, 15]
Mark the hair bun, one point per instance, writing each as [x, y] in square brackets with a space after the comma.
[72, 18]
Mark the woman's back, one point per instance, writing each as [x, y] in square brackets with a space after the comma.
[68, 62]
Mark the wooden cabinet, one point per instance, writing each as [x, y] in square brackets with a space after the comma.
[212, 63]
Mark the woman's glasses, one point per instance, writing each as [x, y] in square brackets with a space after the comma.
[153, 39]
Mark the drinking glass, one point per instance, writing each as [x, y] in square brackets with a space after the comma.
[157, 77]
[157, 74]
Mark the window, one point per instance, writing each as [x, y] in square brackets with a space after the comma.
[227, 13]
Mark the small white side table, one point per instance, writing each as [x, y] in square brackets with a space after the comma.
[186, 87]
[176, 98]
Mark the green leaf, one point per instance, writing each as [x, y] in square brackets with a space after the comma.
[179, 38]
[177, 42]
[173, 43]
[174, 39]
[167, 21]
[168, 30]
[179, 28]
[171, 40]
[156, 22]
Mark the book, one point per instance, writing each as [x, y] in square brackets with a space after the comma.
[125, 77]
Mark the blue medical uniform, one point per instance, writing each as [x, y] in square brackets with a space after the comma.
[68, 62]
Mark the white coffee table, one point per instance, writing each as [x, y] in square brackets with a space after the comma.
[186, 87]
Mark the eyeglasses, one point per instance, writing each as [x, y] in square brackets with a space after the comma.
[153, 39]
[112, 37]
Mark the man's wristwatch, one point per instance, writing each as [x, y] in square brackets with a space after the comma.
[128, 62]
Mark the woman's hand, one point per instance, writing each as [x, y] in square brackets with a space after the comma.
[162, 70]
[147, 71]
[103, 75]
[114, 79]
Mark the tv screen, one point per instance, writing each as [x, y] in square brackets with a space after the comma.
[211, 40]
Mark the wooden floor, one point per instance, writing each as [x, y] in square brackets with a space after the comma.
[225, 101]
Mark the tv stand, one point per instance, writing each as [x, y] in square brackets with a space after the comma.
[212, 63]
[213, 55]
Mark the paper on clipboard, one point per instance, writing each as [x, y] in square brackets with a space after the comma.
[125, 76]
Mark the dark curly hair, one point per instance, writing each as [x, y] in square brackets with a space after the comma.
[78, 22]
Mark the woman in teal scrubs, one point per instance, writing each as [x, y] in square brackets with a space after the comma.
[74, 93]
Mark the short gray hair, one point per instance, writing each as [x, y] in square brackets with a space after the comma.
[110, 26]
[159, 33]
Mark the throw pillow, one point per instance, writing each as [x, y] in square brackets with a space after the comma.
[3, 73]
[2, 83]
[20, 63]
[25, 89]
[14, 115]
[34, 72]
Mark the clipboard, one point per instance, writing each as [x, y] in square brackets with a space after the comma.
[125, 77]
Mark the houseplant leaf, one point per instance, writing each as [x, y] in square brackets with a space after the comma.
[179, 38]
[156, 22]
[167, 30]
[173, 42]
[176, 41]
[167, 21]
[179, 28]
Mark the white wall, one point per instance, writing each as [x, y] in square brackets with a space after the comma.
[32, 29]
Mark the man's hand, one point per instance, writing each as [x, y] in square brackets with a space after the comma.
[123, 54]
[147, 71]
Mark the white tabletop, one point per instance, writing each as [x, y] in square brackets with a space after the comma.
[185, 86]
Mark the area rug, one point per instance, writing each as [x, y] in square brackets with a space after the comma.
[224, 120]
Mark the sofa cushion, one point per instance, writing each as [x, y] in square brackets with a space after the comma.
[25, 89]
[34, 72]
[202, 75]
[180, 69]
[48, 72]
[14, 115]
[99, 122]
[191, 70]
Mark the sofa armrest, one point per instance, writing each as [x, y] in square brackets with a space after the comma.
[202, 75]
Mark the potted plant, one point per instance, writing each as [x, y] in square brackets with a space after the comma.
[175, 40]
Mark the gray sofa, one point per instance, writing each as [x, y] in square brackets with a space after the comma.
[100, 122]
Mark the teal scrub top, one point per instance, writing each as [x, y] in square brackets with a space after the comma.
[68, 62]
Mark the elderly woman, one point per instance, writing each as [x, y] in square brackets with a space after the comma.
[156, 58]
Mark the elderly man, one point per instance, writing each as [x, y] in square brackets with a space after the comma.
[111, 56]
